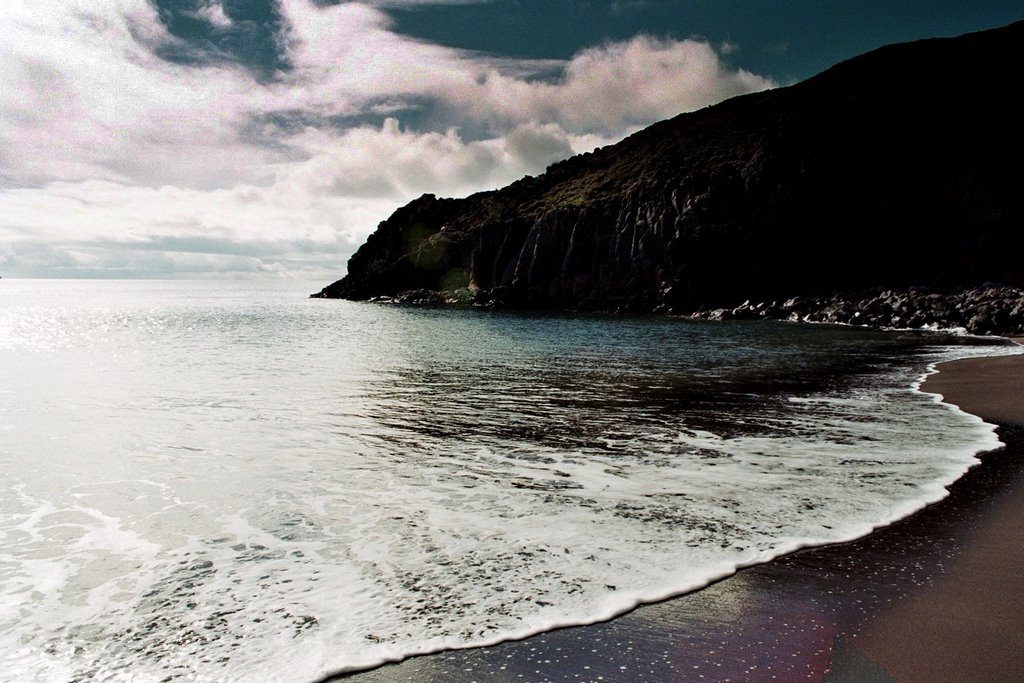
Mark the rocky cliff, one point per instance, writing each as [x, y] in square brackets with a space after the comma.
[899, 168]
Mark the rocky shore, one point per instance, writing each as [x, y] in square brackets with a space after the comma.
[989, 309]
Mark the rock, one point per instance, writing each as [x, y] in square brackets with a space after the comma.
[975, 309]
[421, 297]
[981, 323]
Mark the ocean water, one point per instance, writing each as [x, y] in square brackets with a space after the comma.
[230, 482]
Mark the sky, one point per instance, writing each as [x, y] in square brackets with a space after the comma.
[268, 138]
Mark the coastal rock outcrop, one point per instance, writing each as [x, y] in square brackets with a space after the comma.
[900, 171]
[987, 309]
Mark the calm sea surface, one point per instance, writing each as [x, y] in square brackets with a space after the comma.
[228, 481]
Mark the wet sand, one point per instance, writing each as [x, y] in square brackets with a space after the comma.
[935, 597]
[969, 624]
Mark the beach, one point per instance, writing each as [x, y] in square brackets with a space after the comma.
[967, 624]
[934, 597]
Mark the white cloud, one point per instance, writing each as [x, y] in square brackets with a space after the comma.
[100, 224]
[617, 86]
[313, 214]
[107, 151]
[86, 101]
[417, 163]
[213, 12]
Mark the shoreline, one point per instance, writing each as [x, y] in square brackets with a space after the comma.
[967, 625]
[990, 387]
[930, 597]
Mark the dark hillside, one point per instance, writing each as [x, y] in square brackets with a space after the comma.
[899, 168]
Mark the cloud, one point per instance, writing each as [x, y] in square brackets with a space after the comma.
[610, 88]
[417, 163]
[616, 86]
[126, 138]
[129, 230]
[728, 48]
[84, 99]
[213, 14]
[309, 219]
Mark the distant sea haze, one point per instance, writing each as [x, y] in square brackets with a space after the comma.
[232, 482]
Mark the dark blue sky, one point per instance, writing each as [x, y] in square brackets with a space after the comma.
[249, 32]
[786, 39]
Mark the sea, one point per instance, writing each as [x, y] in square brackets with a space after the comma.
[229, 481]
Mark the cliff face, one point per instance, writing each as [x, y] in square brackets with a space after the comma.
[900, 167]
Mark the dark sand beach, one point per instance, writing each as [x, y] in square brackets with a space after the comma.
[935, 597]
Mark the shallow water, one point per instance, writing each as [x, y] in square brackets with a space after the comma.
[228, 481]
